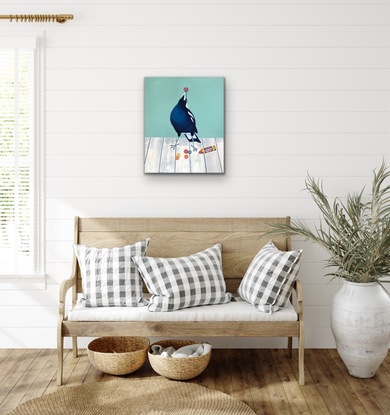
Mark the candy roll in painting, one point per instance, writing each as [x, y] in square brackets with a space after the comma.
[184, 124]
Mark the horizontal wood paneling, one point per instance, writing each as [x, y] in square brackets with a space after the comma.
[247, 165]
[238, 57]
[222, 2]
[36, 298]
[306, 90]
[132, 78]
[236, 101]
[224, 37]
[67, 207]
[213, 187]
[46, 316]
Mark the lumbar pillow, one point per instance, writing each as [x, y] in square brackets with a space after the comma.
[109, 276]
[268, 281]
[183, 282]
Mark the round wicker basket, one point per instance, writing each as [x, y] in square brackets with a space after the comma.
[180, 368]
[118, 355]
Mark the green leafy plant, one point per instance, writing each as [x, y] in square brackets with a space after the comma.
[355, 233]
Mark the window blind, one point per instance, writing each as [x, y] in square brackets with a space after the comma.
[19, 247]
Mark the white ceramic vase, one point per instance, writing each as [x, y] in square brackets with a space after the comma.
[360, 322]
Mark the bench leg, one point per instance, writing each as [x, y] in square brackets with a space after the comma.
[289, 346]
[60, 355]
[74, 346]
[301, 355]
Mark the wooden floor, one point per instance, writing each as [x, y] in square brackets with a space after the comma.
[160, 157]
[264, 379]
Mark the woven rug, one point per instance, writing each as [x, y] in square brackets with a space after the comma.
[157, 396]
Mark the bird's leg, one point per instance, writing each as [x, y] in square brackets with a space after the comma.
[173, 146]
[190, 138]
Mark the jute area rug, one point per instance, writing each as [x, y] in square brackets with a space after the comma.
[157, 396]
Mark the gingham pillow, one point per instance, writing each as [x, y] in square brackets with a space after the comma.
[109, 276]
[183, 282]
[268, 281]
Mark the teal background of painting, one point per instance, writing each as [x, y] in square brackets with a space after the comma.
[205, 99]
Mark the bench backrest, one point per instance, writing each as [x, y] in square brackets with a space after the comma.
[241, 238]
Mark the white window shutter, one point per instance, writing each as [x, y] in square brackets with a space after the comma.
[19, 173]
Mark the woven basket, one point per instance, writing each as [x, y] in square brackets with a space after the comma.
[180, 368]
[118, 355]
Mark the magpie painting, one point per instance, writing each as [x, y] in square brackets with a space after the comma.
[182, 113]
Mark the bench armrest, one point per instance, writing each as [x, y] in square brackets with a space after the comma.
[299, 295]
[64, 287]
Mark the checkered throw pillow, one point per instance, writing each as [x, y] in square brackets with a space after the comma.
[109, 276]
[183, 282]
[268, 281]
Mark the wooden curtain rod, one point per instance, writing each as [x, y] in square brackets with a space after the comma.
[59, 18]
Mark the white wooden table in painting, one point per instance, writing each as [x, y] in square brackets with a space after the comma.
[160, 157]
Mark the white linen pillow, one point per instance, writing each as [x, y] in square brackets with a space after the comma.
[109, 276]
[268, 281]
[182, 282]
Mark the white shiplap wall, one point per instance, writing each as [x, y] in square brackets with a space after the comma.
[307, 90]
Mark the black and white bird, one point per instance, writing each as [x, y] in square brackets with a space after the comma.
[183, 121]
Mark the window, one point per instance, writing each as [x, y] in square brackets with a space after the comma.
[21, 173]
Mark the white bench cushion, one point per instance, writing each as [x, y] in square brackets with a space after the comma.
[233, 311]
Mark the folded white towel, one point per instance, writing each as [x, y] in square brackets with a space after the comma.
[191, 350]
[168, 352]
[188, 351]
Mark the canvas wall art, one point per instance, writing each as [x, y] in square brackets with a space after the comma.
[184, 124]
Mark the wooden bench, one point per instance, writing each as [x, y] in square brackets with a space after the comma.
[241, 240]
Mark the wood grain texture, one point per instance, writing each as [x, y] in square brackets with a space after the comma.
[179, 329]
[241, 238]
[264, 379]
